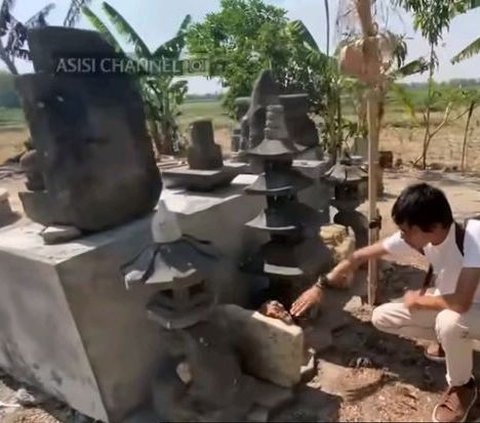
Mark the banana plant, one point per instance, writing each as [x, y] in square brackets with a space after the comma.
[162, 94]
[326, 69]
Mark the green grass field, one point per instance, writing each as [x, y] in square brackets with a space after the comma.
[211, 109]
[11, 118]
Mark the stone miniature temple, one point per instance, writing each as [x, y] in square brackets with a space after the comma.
[294, 254]
[205, 170]
[92, 166]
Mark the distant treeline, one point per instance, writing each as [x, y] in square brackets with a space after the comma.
[455, 82]
[10, 99]
[203, 97]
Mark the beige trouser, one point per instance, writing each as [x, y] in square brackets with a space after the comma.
[453, 330]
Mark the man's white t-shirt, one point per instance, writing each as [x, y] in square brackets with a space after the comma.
[446, 259]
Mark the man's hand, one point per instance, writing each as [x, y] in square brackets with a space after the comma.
[410, 299]
[341, 275]
[308, 299]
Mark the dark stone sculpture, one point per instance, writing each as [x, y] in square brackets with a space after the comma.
[301, 129]
[204, 154]
[348, 181]
[205, 170]
[92, 166]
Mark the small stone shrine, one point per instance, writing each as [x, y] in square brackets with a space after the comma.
[295, 254]
[92, 166]
[205, 170]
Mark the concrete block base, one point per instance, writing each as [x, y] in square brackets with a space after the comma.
[69, 326]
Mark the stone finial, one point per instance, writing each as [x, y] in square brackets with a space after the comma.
[276, 142]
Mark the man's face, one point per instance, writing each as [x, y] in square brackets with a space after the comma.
[414, 236]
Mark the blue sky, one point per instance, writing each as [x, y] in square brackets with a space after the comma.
[157, 21]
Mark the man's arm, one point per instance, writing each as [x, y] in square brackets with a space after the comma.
[342, 270]
[337, 276]
[460, 301]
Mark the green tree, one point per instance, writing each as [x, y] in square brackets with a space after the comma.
[431, 18]
[162, 93]
[247, 36]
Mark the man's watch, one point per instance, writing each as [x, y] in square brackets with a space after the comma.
[322, 282]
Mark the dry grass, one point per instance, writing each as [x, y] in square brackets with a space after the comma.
[11, 141]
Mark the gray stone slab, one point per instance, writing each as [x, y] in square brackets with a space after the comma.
[198, 179]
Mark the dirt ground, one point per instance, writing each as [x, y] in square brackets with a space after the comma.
[365, 375]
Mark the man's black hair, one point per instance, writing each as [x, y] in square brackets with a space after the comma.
[424, 206]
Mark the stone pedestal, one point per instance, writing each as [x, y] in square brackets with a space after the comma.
[69, 326]
[203, 180]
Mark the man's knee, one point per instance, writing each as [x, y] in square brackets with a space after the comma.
[382, 318]
[448, 324]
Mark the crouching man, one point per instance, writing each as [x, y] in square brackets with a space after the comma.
[450, 312]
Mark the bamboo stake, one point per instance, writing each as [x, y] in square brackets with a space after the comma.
[373, 232]
[372, 57]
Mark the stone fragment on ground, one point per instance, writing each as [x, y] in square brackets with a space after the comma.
[275, 350]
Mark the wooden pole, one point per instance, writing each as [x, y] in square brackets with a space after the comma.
[373, 232]
[372, 59]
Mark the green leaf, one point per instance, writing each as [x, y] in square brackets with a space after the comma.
[98, 24]
[125, 29]
[411, 68]
[173, 47]
[299, 27]
[179, 85]
[471, 50]
[74, 11]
